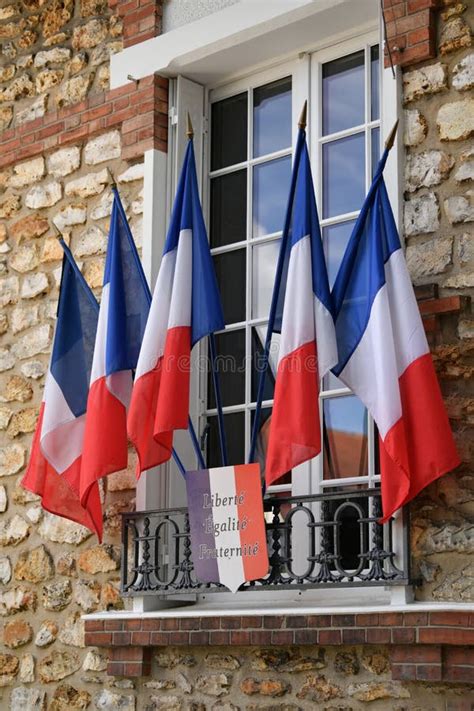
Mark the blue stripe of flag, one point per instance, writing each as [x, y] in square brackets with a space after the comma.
[74, 339]
[362, 272]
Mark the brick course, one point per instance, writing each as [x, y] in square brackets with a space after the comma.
[444, 640]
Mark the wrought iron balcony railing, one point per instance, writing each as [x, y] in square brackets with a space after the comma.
[313, 541]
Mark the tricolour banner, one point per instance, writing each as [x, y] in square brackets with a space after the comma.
[228, 539]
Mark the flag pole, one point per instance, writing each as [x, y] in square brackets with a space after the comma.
[391, 136]
[215, 379]
[278, 278]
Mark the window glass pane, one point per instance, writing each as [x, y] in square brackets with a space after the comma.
[229, 131]
[344, 438]
[230, 347]
[271, 182]
[228, 223]
[375, 149]
[343, 93]
[230, 271]
[343, 175]
[264, 261]
[374, 83]
[235, 430]
[335, 239]
[259, 333]
[272, 117]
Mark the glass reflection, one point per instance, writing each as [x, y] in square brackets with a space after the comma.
[259, 333]
[229, 131]
[343, 175]
[234, 424]
[231, 278]
[343, 93]
[335, 240]
[374, 83]
[272, 117]
[271, 182]
[230, 348]
[228, 208]
[264, 261]
[344, 438]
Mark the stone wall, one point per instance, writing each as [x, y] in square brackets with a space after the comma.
[54, 53]
[439, 217]
[64, 138]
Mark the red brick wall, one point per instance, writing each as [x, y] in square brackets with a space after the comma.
[411, 30]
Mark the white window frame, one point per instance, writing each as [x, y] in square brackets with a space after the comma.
[156, 213]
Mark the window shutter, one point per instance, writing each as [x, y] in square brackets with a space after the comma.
[189, 99]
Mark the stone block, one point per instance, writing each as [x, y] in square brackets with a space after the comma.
[463, 74]
[24, 259]
[57, 14]
[32, 343]
[87, 595]
[45, 195]
[26, 173]
[51, 251]
[17, 633]
[16, 600]
[70, 215]
[99, 559]
[23, 422]
[91, 242]
[36, 109]
[47, 79]
[57, 666]
[57, 595]
[108, 700]
[466, 169]
[466, 248]
[34, 566]
[34, 369]
[416, 127]
[135, 172]
[90, 34]
[27, 669]
[16, 388]
[64, 161]
[6, 115]
[317, 689]
[23, 697]
[460, 208]
[60, 530]
[58, 55]
[90, 184]
[7, 72]
[72, 631]
[67, 698]
[13, 531]
[372, 691]
[7, 359]
[3, 501]
[104, 207]
[10, 206]
[425, 81]
[94, 273]
[34, 285]
[9, 290]
[12, 459]
[104, 147]
[29, 227]
[455, 35]
[20, 88]
[421, 215]
[77, 63]
[46, 634]
[73, 90]
[427, 169]
[455, 120]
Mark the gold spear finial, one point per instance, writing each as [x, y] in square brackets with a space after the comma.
[391, 136]
[302, 121]
[190, 129]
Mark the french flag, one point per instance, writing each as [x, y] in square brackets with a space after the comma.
[307, 343]
[185, 307]
[123, 313]
[56, 455]
[384, 355]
